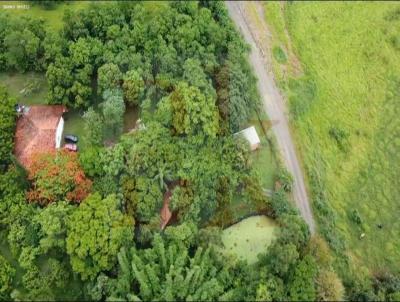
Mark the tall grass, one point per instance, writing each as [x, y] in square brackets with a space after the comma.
[345, 117]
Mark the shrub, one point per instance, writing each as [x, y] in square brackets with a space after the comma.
[279, 55]
[280, 205]
[340, 136]
[30, 87]
[355, 217]
[285, 179]
[329, 286]
[319, 249]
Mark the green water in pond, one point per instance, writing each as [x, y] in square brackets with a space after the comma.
[249, 237]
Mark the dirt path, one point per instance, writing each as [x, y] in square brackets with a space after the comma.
[256, 33]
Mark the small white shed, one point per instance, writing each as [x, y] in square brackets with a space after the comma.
[250, 134]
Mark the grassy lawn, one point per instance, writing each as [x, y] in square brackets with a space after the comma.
[345, 116]
[75, 125]
[249, 237]
[263, 160]
[264, 164]
[52, 16]
[16, 82]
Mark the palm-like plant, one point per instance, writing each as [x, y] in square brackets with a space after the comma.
[163, 176]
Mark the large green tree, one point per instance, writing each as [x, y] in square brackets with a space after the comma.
[193, 112]
[23, 47]
[95, 233]
[194, 74]
[113, 109]
[70, 75]
[133, 86]
[21, 43]
[53, 226]
[109, 77]
[94, 127]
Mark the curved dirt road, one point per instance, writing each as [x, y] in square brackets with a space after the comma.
[255, 34]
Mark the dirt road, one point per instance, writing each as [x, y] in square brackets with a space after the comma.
[256, 34]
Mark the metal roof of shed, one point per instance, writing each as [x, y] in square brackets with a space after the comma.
[250, 134]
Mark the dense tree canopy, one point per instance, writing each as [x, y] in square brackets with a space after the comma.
[133, 86]
[148, 53]
[7, 126]
[113, 109]
[176, 275]
[192, 112]
[96, 231]
[109, 77]
[21, 43]
[6, 276]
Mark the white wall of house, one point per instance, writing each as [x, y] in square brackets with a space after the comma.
[59, 132]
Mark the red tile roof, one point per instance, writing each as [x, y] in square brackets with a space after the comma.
[165, 211]
[36, 131]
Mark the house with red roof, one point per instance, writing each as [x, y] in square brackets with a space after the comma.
[166, 216]
[39, 129]
[165, 212]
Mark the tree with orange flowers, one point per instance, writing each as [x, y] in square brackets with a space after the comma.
[57, 176]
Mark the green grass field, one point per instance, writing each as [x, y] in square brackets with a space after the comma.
[264, 164]
[345, 116]
[249, 237]
[53, 17]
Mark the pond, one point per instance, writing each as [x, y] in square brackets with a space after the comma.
[249, 237]
[130, 117]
